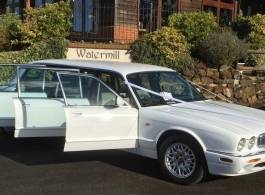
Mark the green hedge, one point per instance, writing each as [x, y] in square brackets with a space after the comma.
[53, 48]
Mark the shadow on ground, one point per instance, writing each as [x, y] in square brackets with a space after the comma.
[42, 151]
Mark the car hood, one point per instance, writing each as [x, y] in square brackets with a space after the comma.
[242, 120]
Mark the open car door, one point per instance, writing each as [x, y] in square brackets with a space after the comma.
[8, 90]
[97, 118]
[39, 105]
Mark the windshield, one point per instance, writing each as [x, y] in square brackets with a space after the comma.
[168, 84]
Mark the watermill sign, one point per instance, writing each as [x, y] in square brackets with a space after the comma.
[98, 54]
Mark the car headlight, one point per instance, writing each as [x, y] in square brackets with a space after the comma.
[251, 142]
[241, 144]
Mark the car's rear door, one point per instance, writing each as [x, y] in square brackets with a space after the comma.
[94, 120]
[38, 105]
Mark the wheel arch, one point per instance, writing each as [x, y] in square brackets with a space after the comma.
[181, 132]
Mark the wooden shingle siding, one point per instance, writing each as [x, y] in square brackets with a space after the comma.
[190, 6]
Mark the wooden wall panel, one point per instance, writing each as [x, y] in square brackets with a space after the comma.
[190, 6]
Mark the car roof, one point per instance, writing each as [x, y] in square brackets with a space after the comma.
[123, 68]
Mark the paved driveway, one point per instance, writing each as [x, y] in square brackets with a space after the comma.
[38, 166]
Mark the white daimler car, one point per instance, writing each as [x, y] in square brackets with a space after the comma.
[144, 109]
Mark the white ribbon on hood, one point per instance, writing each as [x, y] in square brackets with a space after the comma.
[192, 104]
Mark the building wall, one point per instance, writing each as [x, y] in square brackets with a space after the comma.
[190, 6]
[126, 21]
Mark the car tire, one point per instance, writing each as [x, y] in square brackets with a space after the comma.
[8, 130]
[182, 160]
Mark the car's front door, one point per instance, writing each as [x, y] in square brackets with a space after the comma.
[94, 118]
[38, 107]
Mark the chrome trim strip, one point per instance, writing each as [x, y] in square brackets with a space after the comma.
[236, 154]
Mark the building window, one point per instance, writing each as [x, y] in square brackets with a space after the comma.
[212, 9]
[38, 3]
[225, 17]
[227, 1]
[14, 6]
[84, 16]
[222, 9]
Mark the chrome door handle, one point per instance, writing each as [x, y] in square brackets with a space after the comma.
[25, 104]
[76, 113]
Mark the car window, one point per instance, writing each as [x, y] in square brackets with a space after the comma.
[162, 84]
[86, 91]
[116, 82]
[40, 83]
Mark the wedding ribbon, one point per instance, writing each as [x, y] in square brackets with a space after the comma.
[191, 103]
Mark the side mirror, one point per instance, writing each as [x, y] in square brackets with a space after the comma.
[119, 101]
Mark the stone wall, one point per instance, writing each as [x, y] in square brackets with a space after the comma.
[228, 84]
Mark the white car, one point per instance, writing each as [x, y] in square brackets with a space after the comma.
[144, 109]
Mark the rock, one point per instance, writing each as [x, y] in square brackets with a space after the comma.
[258, 87]
[216, 74]
[226, 74]
[218, 89]
[208, 95]
[218, 81]
[235, 72]
[260, 97]
[186, 77]
[257, 104]
[224, 67]
[252, 99]
[213, 85]
[206, 80]
[202, 72]
[221, 97]
[189, 73]
[231, 99]
[209, 73]
[200, 65]
[209, 88]
[246, 83]
[248, 92]
[228, 92]
[263, 87]
[238, 94]
[196, 80]
[242, 103]
[232, 82]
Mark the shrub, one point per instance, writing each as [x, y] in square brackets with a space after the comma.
[256, 59]
[253, 29]
[9, 23]
[52, 20]
[241, 26]
[5, 44]
[165, 47]
[53, 48]
[222, 48]
[256, 38]
[193, 25]
[6, 74]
